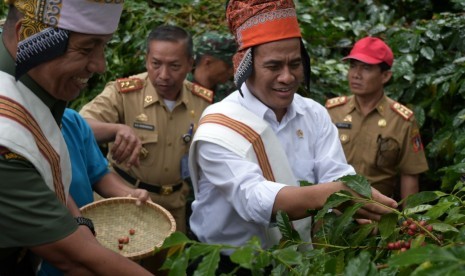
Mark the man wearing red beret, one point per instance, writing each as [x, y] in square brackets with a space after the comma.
[380, 136]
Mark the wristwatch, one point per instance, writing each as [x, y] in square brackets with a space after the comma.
[87, 222]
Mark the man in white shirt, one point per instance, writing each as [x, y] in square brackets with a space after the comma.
[252, 149]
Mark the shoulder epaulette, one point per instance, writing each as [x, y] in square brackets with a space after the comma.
[402, 110]
[200, 91]
[333, 102]
[126, 85]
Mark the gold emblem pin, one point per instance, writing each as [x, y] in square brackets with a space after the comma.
[142, 118]
[348, 118]
[300, 133]
[148, 99]
[382, 123]
[344, 137]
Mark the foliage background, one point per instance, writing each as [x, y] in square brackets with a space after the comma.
[428, 44]
[429, 69]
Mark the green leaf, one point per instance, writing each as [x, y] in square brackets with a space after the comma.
[362, 233]
[438, 209]
[418, 241]
[285, 227]
[427, 52]
[178, 266]
[333, 201]
[304, 183]
[209, 263]
[263, 259]
[437, 269]
[243, 256]
[443, 227]
[288, 255]
[343, 221]
[358, 183]
[361, 265]
[413, 256]
[423, 197]
[176, 238]
[417, 209]
[455, 218]
[387, 225]
[200, 249]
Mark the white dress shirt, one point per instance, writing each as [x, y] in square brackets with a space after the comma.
[234, 201]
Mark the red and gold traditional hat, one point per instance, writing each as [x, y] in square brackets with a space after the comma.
[46, 25]
[255, 22]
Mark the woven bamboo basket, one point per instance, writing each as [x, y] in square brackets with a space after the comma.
[113, 218]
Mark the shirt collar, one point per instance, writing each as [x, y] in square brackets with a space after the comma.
[183, 98]
[380, 105]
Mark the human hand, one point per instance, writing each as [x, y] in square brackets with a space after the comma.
[127, 146]
[141, 195]
[374, 211]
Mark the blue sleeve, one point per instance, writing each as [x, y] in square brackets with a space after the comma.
[87, 161]
[97, 164]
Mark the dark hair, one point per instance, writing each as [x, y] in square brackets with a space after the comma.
[384, 66]
[173, 34]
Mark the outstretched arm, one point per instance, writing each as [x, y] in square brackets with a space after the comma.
[127, 145]
[111, 185]
[296, 200]
[81, 254]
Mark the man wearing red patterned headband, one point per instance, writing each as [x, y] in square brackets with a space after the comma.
[48, 51]
[383, 129]
[252, 149]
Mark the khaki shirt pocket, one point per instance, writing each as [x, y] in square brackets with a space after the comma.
[387, 154]
[149, 142]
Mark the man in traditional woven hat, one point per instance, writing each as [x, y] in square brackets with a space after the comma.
[369, 121]
[213, 67]
[252, 149]
[48, 51]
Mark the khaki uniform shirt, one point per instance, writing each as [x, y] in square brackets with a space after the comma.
[135, 102]
[380, 145]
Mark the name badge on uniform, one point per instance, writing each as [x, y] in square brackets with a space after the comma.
[144, 126]
[344, 125]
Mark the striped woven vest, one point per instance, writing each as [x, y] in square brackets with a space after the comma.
[28, 128]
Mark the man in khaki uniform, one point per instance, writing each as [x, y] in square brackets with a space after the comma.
[380, 137]
[151, 118]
